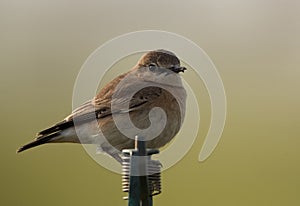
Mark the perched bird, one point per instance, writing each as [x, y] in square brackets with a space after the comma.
[153, 82]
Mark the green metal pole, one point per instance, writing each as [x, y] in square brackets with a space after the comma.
[139, 194]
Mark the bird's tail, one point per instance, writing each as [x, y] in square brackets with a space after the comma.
[39, 141]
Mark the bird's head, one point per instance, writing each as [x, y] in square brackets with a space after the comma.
[161, 59]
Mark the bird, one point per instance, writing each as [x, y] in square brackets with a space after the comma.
[158, 82]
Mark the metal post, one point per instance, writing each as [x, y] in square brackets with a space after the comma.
[141, 175]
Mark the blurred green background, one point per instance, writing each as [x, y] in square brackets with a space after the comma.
[254, 44]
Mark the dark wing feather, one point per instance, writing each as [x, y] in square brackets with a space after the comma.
[100, 106]
[59, 126]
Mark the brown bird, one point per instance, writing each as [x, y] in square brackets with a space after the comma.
[124, 108]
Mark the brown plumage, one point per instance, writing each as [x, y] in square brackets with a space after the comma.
[154, 82]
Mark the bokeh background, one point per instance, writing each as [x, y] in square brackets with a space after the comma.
[254, 44]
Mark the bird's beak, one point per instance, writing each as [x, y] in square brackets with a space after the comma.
[178, 69]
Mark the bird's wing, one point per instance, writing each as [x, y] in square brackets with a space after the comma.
[66, 123]
[100, 106]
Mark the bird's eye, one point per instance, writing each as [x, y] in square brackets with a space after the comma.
[152, 67]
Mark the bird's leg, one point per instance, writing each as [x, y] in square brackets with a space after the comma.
[111, 152]
[116, 156]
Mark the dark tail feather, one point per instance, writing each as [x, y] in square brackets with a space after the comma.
[39, 141]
